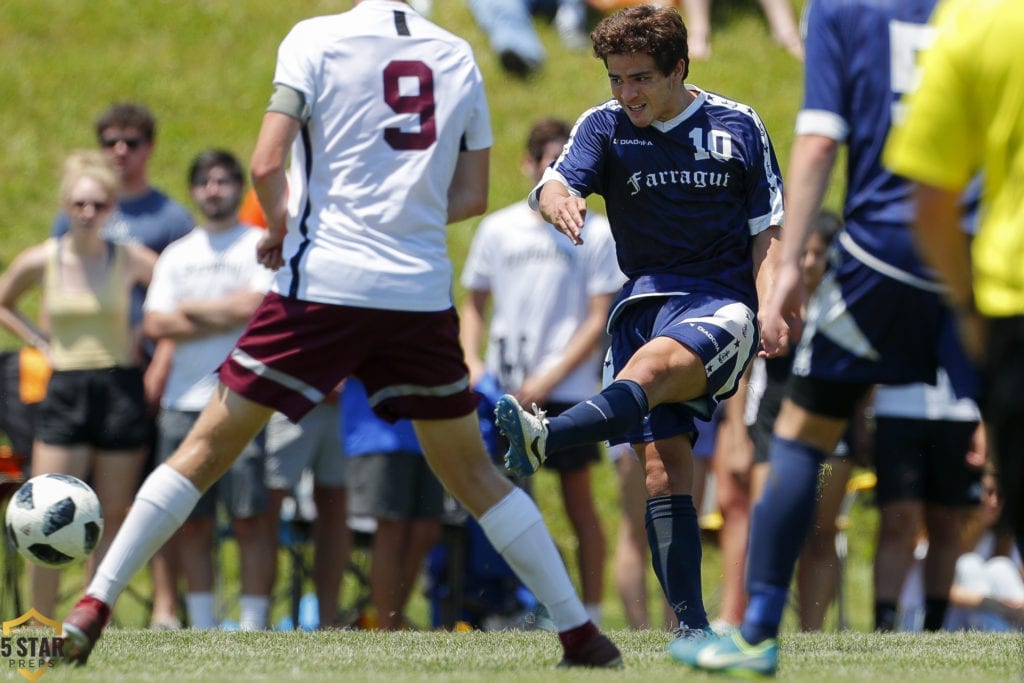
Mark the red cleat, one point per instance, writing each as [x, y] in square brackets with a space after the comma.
[83, 628]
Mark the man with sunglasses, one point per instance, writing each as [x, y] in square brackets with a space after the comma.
[126, 132]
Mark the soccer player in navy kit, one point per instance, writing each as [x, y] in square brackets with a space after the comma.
[694, 198]
[878, 315]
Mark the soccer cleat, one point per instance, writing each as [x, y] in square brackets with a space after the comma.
[526, 435]
[728, 654]
[83, 628]
[596, 653]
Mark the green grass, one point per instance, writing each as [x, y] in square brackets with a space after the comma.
[518, 656]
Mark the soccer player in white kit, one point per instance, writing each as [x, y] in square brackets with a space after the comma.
[386, 121]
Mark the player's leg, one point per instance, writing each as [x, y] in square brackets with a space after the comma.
[514, 526]
[673, 531]
[161, 505]
[698, 348]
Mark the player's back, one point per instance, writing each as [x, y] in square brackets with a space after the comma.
[393, 100]
[862, 56]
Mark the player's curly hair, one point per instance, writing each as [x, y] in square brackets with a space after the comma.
[644, 29]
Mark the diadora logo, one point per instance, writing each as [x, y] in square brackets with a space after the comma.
[32, 644]
[634, 141]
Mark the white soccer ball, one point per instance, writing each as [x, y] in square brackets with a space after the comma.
[54, 519]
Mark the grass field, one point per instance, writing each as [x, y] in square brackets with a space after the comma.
[411, 657]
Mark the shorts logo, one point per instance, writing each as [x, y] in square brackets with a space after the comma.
[33, 644]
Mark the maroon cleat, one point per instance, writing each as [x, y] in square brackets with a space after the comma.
[83, 628]
[598, 652]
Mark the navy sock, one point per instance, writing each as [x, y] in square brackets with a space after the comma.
[613, 412]
[779, 526]
[674, 537]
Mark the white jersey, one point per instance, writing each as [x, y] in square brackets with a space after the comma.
[393, 99]
[203, 265]
[541, 285]
[922, 401]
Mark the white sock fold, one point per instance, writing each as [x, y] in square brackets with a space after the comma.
[162, 504]
[199, 607]
[516, 529]
[255, 612]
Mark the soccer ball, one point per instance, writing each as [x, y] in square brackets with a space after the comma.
[54, 519]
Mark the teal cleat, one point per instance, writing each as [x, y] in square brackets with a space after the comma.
[728, 654]
[526, 435]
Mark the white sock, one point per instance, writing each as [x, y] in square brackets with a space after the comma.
[255, 610]
[162, 504]
[516, 529]
[199, 607]
[594, 612]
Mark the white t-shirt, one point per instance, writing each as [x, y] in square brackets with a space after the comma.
[203, 265]
[393, 99]
[540, 284]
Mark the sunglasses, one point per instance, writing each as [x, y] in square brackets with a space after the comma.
[96, 206]
[130, 143]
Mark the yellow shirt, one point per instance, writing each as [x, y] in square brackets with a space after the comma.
[968, 116]
[89, 329]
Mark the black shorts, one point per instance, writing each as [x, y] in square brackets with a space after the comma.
[924, 460]
[105, 409]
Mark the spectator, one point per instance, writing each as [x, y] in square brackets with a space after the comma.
[127, 132]
[368, 223]
[391, 482]
[92, 419]
[982, 132]
[694, 200]
[314, 444]
[205, 288]
[876, 317]
[923, 439]
[988, 587]
[512, 36]
[546, 331]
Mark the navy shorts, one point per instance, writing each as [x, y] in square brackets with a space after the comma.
[293, 353]
[864, 327]
[924, 460]
[722, 332]
[105, 409]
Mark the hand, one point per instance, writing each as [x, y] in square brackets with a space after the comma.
[269, 252]
[534, 389]
[567, 215]
[781, 317]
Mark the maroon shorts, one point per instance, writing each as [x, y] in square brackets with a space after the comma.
[293, 353]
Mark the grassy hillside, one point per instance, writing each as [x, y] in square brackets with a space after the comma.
[204, 67]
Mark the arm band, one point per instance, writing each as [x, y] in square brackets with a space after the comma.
[290, 102]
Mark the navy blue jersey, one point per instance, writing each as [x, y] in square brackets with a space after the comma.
[684, 197]
[862, 55]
